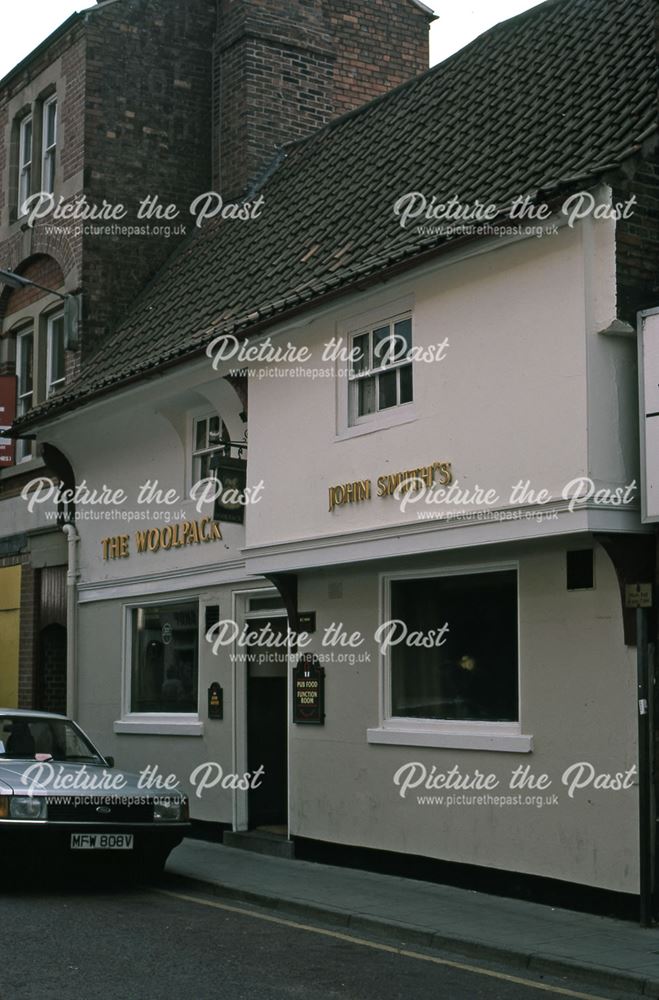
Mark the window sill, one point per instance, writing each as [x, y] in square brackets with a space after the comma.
[392, 418]
[474, 740]
[160, 726]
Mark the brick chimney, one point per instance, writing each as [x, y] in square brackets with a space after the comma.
[283, 68]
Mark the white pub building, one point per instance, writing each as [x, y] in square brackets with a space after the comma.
[402, 626]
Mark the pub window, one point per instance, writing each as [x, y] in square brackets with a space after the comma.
[164, 660]
[25, 385]
[381, 376]
[579, 569]
[25, 150]
[470, 671]
[49, 145]
[55, 374]
[208, 433]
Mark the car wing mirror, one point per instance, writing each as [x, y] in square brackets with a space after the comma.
[109, 760]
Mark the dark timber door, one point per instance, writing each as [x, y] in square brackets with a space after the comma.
[267, 729]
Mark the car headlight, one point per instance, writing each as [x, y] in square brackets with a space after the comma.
[27, 807]
[170, 810]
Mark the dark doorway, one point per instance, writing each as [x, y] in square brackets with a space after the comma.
[51, 696]
[267, 729]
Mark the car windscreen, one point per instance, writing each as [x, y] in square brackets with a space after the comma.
[23, 737]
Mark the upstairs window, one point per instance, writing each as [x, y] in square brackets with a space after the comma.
[49, 145]
[208, 434]
[55, 374]
[381, 373]
[26, 142]
[25, 386]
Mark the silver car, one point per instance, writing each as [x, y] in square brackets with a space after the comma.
[59, 794]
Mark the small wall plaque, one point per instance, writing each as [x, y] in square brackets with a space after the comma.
[215, 701]
[309, 691]
[307, 621]
[638, 595]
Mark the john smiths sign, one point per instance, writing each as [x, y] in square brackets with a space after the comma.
[309, 691]
[413, 479]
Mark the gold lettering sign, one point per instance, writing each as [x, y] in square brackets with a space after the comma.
[405, 482]
[173, 536]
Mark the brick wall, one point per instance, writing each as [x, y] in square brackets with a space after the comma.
[147, 132]
[51, 696]
[73, 109]
[4, 158]
[285, 67]
[61, 65]
[381, 46]
[43, 270]
[637, 242]
[149, 97]
[52, 259]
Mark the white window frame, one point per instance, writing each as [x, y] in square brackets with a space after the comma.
[24, 447]
[450, 733]
[53, 384]
[157, 723]
[402, 307]
[375, 370]
[49, 151]
[25, 165]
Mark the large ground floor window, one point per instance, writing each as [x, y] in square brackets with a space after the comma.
[164, 657]
[468, 668]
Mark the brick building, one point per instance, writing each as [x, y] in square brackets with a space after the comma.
[128, 100]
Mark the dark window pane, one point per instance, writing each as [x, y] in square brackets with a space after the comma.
[406, 386]
[472, 674]
[213, 431]
[21, 737]
[365, 396]
[382, 346]
[56, 373]
[387, 390]
[51, 115]
[49, 172]
[362, 354]
[579, 569]
[264, 603]
[27, 142]
[164, 660]
[402, 339]
[26, 352]
[200, 435]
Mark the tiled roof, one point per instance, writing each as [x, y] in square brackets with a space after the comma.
[542, 102]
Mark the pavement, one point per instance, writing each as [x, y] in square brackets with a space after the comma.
[599, 951]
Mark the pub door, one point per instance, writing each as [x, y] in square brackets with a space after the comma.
[267, 729]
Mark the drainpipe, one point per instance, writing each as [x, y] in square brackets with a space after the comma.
[72, 538]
